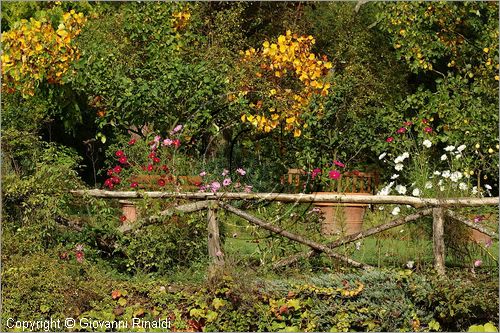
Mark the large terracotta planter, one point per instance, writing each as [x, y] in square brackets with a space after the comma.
[479, 237]
[341, 218]
[129, 210]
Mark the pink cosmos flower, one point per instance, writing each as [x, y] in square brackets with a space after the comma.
[157, 139]
[248, 188]
[167, 142]
[215, 186]
[226, 182]
[225, 172]
[427, 130]
[176, 129]
[203, 174]
[334, 174]
[478, 218]
[401, 130]
[339, 164]
[389, 139]
[478, 263]
[425, 121]
[241, 171]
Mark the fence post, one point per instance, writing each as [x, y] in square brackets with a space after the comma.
[438, 239]
[214, 248]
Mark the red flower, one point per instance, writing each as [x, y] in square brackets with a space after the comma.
[115, 180]
[161, 182]
[119, 153]
[389, 139]
[152, 154]
[123, 159]
[339, 164]
[176, 143]
[428, 130]
[425, 121]
[123, 218]
[134, 184]
[164, 168]
[131, 142]
[156, 160]
[108, 183]
[150, 167]
[355, 172]
[117, 169]
[79, 256]
[334, 174]
[315, 172]
[408, 123]
[401, 130]
[110, 172]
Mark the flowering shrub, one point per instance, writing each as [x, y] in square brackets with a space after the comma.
[149, 164]
[224, 182]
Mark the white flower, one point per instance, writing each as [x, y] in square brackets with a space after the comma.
[446, 174]
[427, 143]
[395, 211]
[486, 186]
[399, 159]
[458, 156]
[440, 182]
[462, 186]
[444, 157]
[456, 176]
[382, 156]
[381, 208]
[416, 192]
[409, 264]
[441, 188]
[405, 155]
[461, 148]
[450, 148]
[358, 245]
[437, 173]
[401, 189]
[474, 190]
[398, 167]
[428, 185]
[394, 176]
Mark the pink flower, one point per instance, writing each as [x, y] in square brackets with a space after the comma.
[215, 186]
[176, 129]
[401, 130]
[334, 174]
[478, 263]
[488, 243]
[339, 164]
[117, 169]
[389, 139]
[408, 123]
[225, 172]
[427, 130]
[203, 174]
[425, 121]
[226, 182]
[203, 188]
[110, 172]
[134, 184]
[157, 139]
[156, 160]
[167, 142]
[123, 160]
[315, 172]
[478, 218]
[132, 142]
[119, 153]
[248, 188]
[241, 171]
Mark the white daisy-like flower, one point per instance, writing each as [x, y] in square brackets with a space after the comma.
[462, 186]
[410, 264]
[382, 156]
[428, 185]
[401, 189]
[395, 211]
[456, 176]
[461, 148]
[405, 155]
[415, 192]
[398, 167]
[446, 174]
[474, 190]
[441, 188]
[399, 159]
[394, 176]
[450, 148]
[444, 157]
[437, 173]
[486, 186]
[458, 156]
[427, 143]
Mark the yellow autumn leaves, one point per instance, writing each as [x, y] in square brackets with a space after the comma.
[180, 19]
[34, 51]
[292, 75]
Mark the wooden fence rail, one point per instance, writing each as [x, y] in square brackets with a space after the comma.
[437, 207]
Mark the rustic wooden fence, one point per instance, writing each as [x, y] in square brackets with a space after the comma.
[439, 209]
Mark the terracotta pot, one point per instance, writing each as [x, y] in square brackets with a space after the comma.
[341, 218]
[479, 237]
[129, 210]
[190, 183]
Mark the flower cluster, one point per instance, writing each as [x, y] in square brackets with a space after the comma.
[286, 65]
[224, 182]
[157, 157]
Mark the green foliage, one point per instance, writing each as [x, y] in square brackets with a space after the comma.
[488, 327]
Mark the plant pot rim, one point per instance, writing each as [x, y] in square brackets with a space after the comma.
[334, 204]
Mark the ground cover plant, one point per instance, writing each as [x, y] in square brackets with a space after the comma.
[237, 98]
